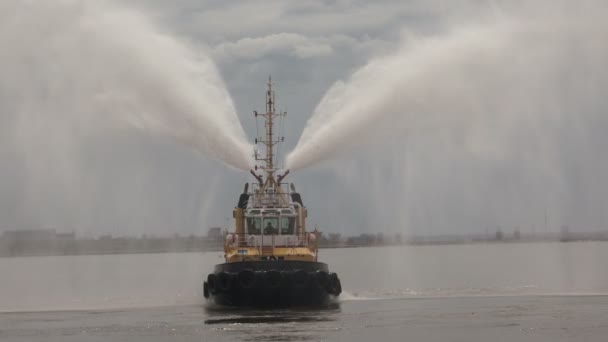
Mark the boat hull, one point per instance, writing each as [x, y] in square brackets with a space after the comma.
[272, 284]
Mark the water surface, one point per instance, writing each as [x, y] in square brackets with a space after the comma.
[510, 292]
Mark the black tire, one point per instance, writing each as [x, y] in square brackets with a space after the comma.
[322, 280]
[300, 278]
[273, 279]
[339, 287]
[205, 290]
[246, 279]
[212, 283]
[334, 284]
[224, 281]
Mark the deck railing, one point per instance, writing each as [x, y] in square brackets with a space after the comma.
[258, 241]
[280, 198]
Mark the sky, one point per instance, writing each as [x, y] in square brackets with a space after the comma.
[94, 177]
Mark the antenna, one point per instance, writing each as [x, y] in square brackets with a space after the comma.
[268, 139]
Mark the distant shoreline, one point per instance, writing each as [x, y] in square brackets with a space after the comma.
[43, 252]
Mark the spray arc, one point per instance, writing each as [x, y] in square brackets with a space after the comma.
[271, 259]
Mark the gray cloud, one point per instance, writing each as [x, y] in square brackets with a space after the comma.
[288, 43]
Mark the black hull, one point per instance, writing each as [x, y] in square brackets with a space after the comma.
[272, 284]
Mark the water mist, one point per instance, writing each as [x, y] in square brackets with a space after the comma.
[502, 70]
[487, 123]
[75, 64]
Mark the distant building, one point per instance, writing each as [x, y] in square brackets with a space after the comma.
[29, 235]
[215, 233]
[66, 236]
[516, 234]
[35, 242]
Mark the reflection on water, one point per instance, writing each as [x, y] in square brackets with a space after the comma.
[512, 318]
[228, 315]
[304, 324]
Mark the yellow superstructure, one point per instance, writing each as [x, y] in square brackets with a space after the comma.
[270, 220]
[279, 253]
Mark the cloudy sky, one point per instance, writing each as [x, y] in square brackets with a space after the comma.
[93, 177]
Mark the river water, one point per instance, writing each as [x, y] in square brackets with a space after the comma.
[477, 292]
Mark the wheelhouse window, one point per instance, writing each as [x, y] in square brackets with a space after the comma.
[254, 225]
[271, 225]
[287, 225]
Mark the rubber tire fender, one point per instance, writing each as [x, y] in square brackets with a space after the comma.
[224, 281]
[300, 278]
[322, 279]
[205, 289]
[212, 283]
[246, 279]
[335, 285]
[273, 279]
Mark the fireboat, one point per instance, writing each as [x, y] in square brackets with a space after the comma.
[271, 259]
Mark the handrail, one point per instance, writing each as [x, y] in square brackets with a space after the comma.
[298, 240]
[269, 199]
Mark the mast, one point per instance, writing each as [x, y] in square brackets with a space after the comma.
[268, 139]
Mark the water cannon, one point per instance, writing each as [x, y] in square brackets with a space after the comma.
[280, 178]
[258, 177]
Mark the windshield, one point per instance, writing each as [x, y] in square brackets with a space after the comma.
[271, 225]
[287, 225]
[254, 225]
